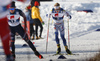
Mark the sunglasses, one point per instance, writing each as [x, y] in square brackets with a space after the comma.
[11, 8]
[56, 7]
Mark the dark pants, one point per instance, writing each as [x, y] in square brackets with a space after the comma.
[38, 23]
[32, 31]
[22, 33]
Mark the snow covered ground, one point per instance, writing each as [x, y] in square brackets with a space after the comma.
[84, 40]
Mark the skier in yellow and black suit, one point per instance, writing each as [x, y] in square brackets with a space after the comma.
[37, 19]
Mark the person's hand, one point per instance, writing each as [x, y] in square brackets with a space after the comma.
[46, 15]
[69, 16]
[43, 23]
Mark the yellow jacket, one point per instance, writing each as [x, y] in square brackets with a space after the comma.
[35, 13]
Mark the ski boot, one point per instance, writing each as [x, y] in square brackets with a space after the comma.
[58, 49]
[13, 54]
[67, 50]
[38, 54]
[9, 58]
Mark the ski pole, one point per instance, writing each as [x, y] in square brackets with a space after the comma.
[68, 35]
[47, 35]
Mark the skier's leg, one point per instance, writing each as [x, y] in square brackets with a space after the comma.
[25, 37]
[64, 42]
[13, 41]
[63, 38]
[13, 48]
[58, 44]
[33, 47]
[13, 45]
[56, 37]
[57, 40]
[61, 29]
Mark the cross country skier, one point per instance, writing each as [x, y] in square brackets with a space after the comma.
[15, 26]
[4, 28]
[57, 14]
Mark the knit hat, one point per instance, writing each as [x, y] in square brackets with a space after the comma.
[57, 4]
[12, 4]
[36, 3]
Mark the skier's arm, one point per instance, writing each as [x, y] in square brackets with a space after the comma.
[23, 15]
[67, 14]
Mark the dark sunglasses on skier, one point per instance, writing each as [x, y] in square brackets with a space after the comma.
[57, 8]
[11, 8]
